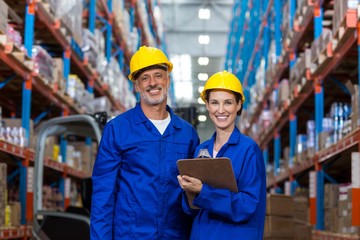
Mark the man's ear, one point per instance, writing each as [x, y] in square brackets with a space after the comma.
[136, 87]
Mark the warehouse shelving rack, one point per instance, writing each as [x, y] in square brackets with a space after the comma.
[305, 26]
[38, 23]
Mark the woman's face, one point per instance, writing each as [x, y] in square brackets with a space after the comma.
[223, 108]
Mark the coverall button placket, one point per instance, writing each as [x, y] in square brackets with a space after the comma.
[162, 184]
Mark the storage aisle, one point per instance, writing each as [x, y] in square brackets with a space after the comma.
[60, 58]
[302, 79]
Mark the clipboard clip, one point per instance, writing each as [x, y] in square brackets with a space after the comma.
[204, 153]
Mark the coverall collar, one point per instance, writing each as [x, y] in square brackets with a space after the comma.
[140, 117]
[233, 140]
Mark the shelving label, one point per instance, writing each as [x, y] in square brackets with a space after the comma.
[355, 169]
[312, 184]
[30, 174]
[67, 187]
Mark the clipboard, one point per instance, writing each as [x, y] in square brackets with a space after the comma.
[215, 172]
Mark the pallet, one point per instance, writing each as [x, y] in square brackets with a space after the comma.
[55, 24]
[16, 53]
[346, 29]
[321, 55]
[302, 14]
[324, 235]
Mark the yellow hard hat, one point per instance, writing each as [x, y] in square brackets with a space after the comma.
[146, 57]
[223, 80]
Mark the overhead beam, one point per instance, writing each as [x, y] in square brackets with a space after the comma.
[196, 31]
[197, 2]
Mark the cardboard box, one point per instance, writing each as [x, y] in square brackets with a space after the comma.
[278, 228]
[15, 213]
[4, 9]
[279, 205]
[17, 122]
[302, 231]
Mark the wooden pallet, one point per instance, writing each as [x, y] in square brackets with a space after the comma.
[346, 29]
[16, 53]
[323, 53]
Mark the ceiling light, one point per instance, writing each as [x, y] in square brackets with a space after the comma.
[204, 13]
[200, 89]
[183, 90]
[202, 118]
[203, 76]
[203, 61]
[200, 101]
[182, 68]
[204, 39]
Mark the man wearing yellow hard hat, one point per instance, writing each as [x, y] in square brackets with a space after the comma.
[135, 191]
[223, 214]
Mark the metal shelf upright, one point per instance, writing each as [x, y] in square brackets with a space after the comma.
[25, 176]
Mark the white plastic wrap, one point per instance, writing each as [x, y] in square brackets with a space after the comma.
[43, 63]
[89, 47]
[70, 12]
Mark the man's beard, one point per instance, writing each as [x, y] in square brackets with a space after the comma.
[150, 100]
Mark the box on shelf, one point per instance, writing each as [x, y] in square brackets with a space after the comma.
[15, 213]
[3, 192]
[280, 205]
[70, 13]
[302, 231]
[43, 64]
[59, 81]
[277, 227]
[17, 131]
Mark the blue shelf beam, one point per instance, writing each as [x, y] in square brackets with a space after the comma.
[320, 200]
[277, 151]
[293, 133]
[92, 15]
[278, 17]
[7, 80]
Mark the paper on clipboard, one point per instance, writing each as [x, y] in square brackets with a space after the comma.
[215, 172]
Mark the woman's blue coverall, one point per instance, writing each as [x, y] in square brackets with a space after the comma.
[228, 215]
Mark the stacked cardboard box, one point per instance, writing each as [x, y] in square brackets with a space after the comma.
[319, 49]
[331, 206]
[279, 222]
[344, 223]
[59, 84]
[302, 228]
[298, 72]
[3, 189]
[355, 120]
[3, 17]
[15, 213]
[344, 12]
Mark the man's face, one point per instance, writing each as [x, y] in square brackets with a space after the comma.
[153, 85]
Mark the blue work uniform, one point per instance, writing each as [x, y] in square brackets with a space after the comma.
[227, 215]
[136, 194]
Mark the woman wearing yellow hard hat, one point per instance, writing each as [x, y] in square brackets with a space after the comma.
[135, 191]
[223, 214]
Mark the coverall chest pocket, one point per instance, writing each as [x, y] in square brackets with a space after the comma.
[179, 150]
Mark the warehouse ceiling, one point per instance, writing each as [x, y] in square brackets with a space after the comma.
[182, 29]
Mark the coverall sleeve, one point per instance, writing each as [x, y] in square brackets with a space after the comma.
[238, 207]
[186, 207]
[195, 143]
[185, 204]
[104, 176]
